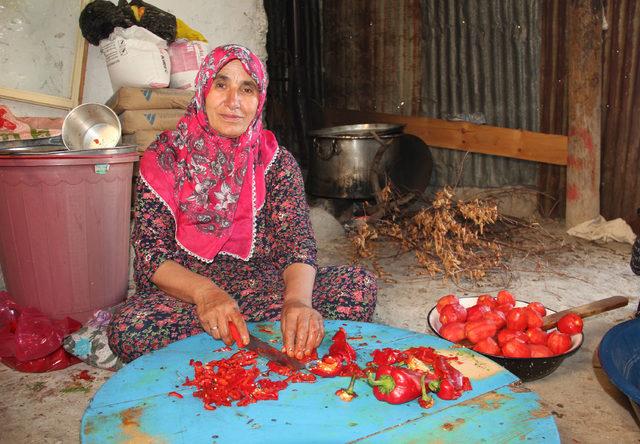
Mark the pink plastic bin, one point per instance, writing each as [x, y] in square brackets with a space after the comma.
[64, 231]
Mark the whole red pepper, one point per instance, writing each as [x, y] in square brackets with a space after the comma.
[395, 385]
[444, 389]
[446, 372]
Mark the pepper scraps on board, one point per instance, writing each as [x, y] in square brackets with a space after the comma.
[349, 393]
[396, 376]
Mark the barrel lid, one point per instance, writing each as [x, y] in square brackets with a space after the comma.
[63, 152]
[358, 130]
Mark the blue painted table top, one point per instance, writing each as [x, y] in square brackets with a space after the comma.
[134, 406]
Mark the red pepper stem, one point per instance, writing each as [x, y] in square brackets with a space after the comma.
[434, 385]
[425, 396]
[385, 383]
[351, 385]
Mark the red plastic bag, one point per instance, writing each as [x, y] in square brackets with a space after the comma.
[31, 341]
[8, 321]
[37, 335]
[57, 360]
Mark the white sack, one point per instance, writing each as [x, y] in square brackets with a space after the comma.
[186, 57]
[136, 57]
[600, 230]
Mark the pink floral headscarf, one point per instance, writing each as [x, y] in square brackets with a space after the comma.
[213, 185]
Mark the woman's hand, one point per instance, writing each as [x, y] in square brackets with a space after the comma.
[214, 306]
[215, 310]
[302, 329]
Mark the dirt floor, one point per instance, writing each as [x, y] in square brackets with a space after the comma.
[47, 408]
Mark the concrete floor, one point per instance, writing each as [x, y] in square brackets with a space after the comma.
[47, 408]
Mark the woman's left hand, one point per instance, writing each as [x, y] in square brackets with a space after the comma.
[302, 329]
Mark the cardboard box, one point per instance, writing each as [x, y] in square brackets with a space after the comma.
[149, 119]
[129, 98]
[142, 138]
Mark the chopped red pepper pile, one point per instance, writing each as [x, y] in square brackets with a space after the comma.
[221, 382]
[397, 376]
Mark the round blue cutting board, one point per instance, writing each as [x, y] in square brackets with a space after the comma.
[134, 406]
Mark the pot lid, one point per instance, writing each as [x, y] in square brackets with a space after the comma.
[358, 130]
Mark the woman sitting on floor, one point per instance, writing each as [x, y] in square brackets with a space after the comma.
[222, 231]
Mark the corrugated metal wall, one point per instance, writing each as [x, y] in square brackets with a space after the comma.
[503, 60]
[443, 59]
[482, 58]
[372, 55]
[620, 189]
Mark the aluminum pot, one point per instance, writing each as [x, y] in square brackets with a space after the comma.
[87, 126]
[341, 158]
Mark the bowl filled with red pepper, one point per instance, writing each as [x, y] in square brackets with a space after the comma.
[511, 332]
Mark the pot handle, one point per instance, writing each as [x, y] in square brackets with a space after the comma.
[326, 154]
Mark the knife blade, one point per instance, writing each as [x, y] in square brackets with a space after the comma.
[273, 354]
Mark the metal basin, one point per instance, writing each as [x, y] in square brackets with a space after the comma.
[91, 125]
[619, 354]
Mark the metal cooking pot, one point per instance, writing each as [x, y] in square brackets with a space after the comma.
[87, 126]
[342, 157]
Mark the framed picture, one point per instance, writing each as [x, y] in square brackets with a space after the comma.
[42, 52]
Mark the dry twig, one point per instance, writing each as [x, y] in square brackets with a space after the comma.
[446, 236]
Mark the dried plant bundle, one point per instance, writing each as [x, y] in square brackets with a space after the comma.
[445, 236]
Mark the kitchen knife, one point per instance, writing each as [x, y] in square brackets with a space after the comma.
[273, 354]
[264, 349]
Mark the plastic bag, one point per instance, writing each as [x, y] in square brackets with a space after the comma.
[31, 341]
[8, 321]
[99, 18]
[57, 360]
[37, 335]
[161, 23]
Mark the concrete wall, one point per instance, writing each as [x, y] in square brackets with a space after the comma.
[220, 21]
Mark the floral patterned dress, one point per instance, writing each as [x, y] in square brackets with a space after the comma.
[151, 319]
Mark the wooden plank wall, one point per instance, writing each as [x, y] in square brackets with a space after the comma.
[621, 111]
[465, 136]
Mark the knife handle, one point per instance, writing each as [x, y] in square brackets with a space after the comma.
[235, 334]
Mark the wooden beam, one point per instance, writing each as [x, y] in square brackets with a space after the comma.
[584, 74]
[465, 136]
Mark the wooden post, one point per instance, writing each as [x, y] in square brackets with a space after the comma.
[584, 52]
